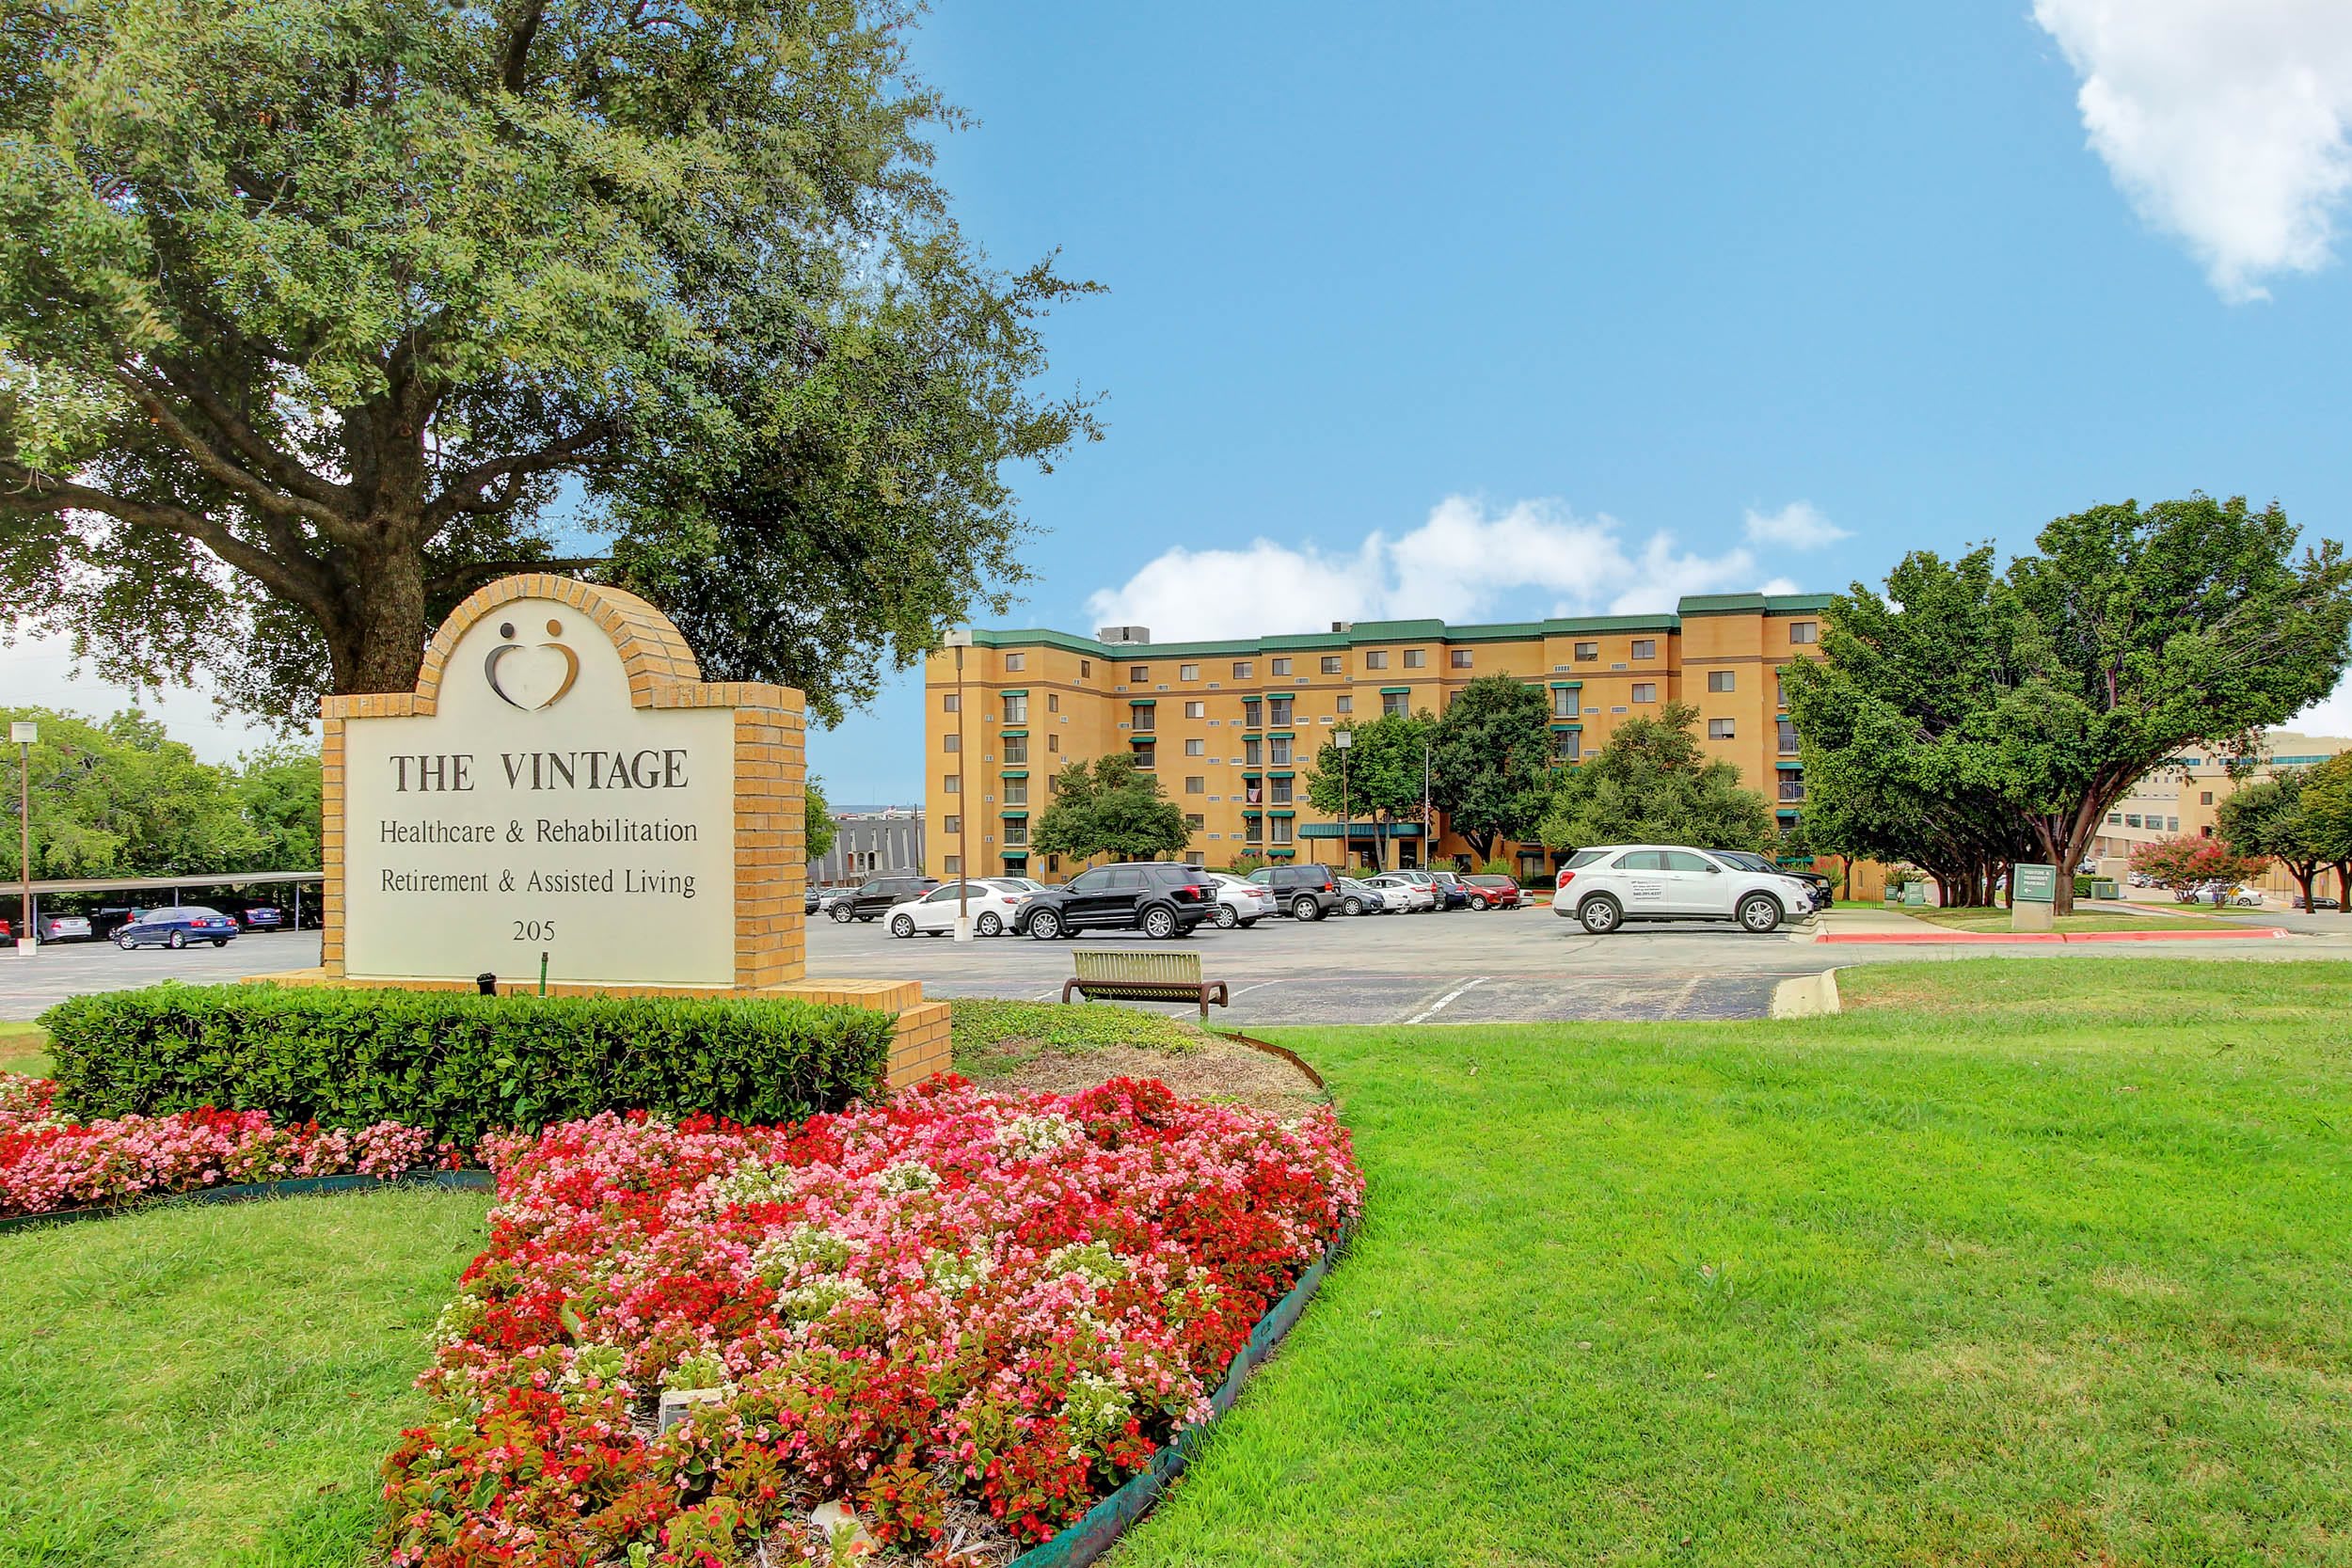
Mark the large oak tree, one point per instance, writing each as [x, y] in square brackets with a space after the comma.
[317, 314]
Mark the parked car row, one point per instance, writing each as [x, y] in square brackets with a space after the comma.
[111, 921]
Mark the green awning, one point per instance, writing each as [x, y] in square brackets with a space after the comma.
[1396, 692]
[1143, 702]
[1017, 811]
[1789, 767]
[1360, 829]
[1014, 692]
[1016, 854]
[1280, 773]
[1016, 773]
[1566, 686]
[1282, 811]
[1012, 734]
[1565, 725]
[1281, 696]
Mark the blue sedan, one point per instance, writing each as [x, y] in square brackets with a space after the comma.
[176, 927]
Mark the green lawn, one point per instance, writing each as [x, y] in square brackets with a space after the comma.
[2023, 1263]
[217, 1383]
[2092, 917]
[24, 1048]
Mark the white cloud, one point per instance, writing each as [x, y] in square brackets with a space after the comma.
[1456, 565]
[2225, 121]
[2332, 715]
[1799, 526]
[41, 672]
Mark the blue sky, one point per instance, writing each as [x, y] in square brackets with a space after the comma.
[1503, 310]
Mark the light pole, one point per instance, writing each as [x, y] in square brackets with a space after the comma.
[1346, 742]
[25, 731]
[960, 641]
[1428, 822]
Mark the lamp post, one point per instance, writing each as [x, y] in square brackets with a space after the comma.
[960, 641]
[25, 731]
[1346, 742]
[1428, 820]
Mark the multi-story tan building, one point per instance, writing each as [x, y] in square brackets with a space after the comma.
[2185, 798]
[1232, 728]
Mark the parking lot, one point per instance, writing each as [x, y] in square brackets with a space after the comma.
[1465, 967]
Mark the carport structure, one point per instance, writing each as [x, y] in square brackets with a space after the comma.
[175, 886]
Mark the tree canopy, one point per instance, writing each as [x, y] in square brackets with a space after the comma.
[818, 832]
[1963, 706]
[1381, 779]
[1491, 773]
[1654, 784]
[1109, 807]
[315, 316]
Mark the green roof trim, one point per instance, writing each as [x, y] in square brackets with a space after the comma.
[1756, 604]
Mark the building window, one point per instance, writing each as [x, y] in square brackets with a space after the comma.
[2132, 820]
[1142, 716]
[1803, 633]
[1196, 857]
[2115, 819]
[1253, 829]
[1645, 691]
[2172, 824]
[1459, 659]
[1016, 792]
[1346, 706]
[1195, 710]
[1053, 701]
[1567, 745]
[1148, 754]
[1719, 729]
[1645, 647]
[1787, 737]
[951, 743]
[1139, 674]
[1723, 680]
[1196, 784]
[1016, 748]
[1250, 747]
[1194, 820]
[1330, 664]
[1016, 829]
[1015, 663]
[1278, 750]
[1252, 714]
[1792, 785]
[2204, 797]
[1052, 743]
[1241, 670]
[1196, 747]
[1188, 671]
[1416, 658]
[952, 784]
[1281, 829]
[1563, 703]
[1392, 704]
[1377, 659]
[1587, 651]
[1085, 669]
[1016, 710]
[954, 865]
[1279, 710]
[952, 702]
[1053, 786]
[951, 825]
[1780, 692]
[1281, 667]
[1278, 791]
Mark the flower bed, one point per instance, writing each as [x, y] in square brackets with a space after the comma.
[966, 1317]
[48, 1164]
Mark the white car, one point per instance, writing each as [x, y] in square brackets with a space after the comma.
[1359, 897]
[1240, 901]
[1604, 887]
[991, 902]
[1420, 896]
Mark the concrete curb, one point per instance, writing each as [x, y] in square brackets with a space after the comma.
[1806, 996]
[1950, 938]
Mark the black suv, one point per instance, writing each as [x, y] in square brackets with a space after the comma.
[878, 894]
[1156, 898]
[1301, 892]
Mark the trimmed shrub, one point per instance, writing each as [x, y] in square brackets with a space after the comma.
[457, 1063]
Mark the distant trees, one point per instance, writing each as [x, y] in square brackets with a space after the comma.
[816, 830]
[1380, 782]
[1967, 716]
[1654, 784]
[1109, 807]
[2300, 818]
[1492, 761]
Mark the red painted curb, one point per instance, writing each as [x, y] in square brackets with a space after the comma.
[1942, 937]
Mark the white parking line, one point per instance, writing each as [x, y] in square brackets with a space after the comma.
[1442, 1002]
[1260, 986]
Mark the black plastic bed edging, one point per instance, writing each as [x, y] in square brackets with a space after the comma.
[1107, 1521]
[246, 1192]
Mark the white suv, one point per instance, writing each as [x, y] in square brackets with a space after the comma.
[1604, 887]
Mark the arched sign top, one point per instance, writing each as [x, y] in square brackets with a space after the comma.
[536, 661]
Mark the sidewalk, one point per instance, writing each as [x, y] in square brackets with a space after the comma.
[1888, 927]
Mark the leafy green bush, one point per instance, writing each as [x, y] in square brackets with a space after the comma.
[458, 1063]
[1243, 865]
[980, 1024]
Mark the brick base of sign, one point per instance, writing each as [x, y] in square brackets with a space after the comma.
[918, 1050]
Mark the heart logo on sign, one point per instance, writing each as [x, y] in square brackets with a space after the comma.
[529, 677]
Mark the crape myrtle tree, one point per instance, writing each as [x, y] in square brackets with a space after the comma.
[1109, 807]
[2189, 858]
[1654, 784]
[1382, 778]
[2048, 690]
[317, 314]
[1491, 770]
[2266, 818]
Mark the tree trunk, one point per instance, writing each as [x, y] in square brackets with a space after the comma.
[1482, 845]
[377, 643]
[2344, 887]
[2304, 877]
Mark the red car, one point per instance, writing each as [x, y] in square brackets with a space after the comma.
[1492, 892]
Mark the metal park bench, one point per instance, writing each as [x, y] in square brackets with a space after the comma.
[1118, 975]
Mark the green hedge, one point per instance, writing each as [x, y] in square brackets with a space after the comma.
[458, 1063]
